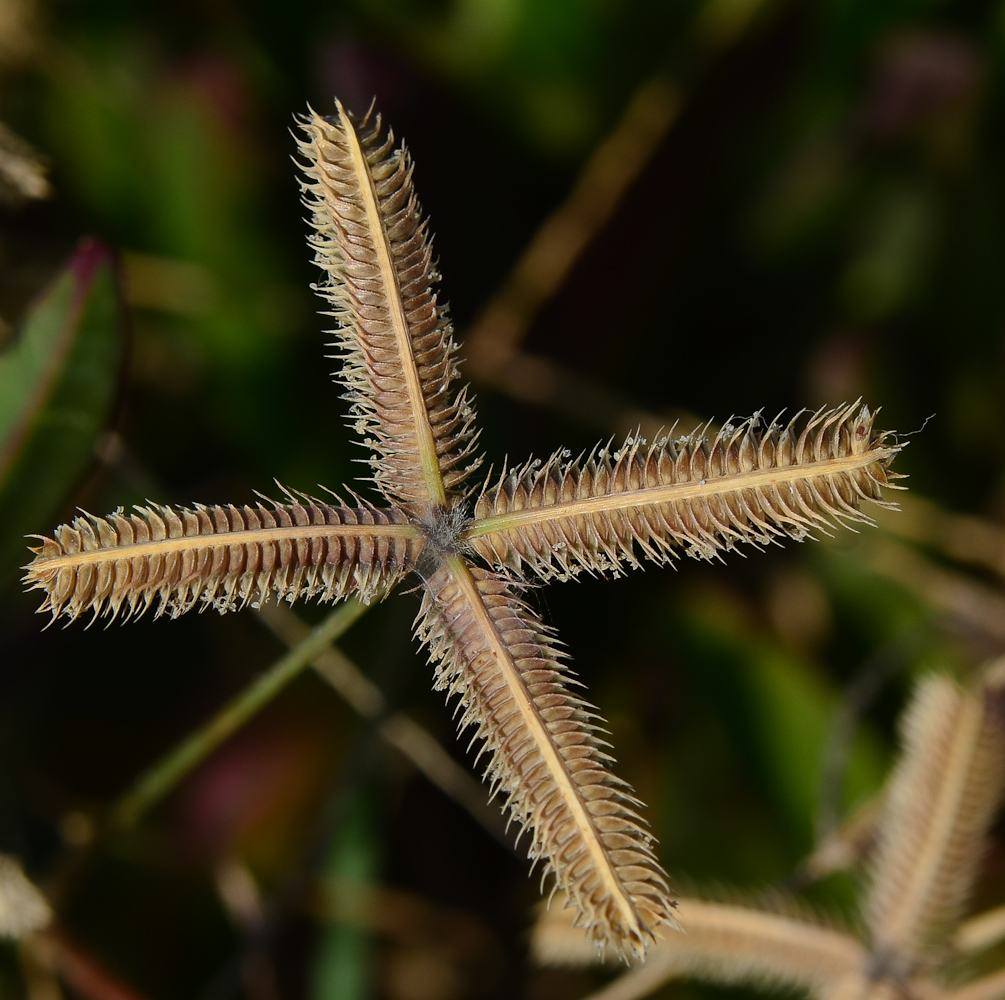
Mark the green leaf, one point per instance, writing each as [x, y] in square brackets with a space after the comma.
[57, 385]
[778, 710]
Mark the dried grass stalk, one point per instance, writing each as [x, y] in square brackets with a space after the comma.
[223, 557]
[749, 483]
[989, 987]
[494, 654]
[395, 340]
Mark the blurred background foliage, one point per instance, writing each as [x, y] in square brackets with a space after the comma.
[817, 214]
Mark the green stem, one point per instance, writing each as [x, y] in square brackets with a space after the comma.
[160, 779]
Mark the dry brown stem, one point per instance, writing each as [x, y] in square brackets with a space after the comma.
[971, 606]
[494, 340]
[968, 539]
[559, 242]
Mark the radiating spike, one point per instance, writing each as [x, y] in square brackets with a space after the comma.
[395, 339]
[499, 659]
[747, 484]
[173, 559]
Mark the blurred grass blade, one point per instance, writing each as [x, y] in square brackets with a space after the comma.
[166, 773]
[343, 964]
[57, 383]
[777, 708]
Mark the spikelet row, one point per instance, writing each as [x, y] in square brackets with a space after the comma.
[545, 756]
[942, 799]
[179, 557]
[725, 944]
[749, 483]
[363, 298]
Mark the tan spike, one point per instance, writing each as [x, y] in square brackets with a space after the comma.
[749, 483]
[395, 338]
[725, 943]
[225, 557]
[496, 657]
[942, 799]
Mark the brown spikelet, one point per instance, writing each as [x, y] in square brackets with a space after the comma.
[496, 656]
[225, 557]
[749, 483]
[396, 340]
[942, 799]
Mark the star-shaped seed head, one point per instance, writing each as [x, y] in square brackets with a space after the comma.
[700, 494]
